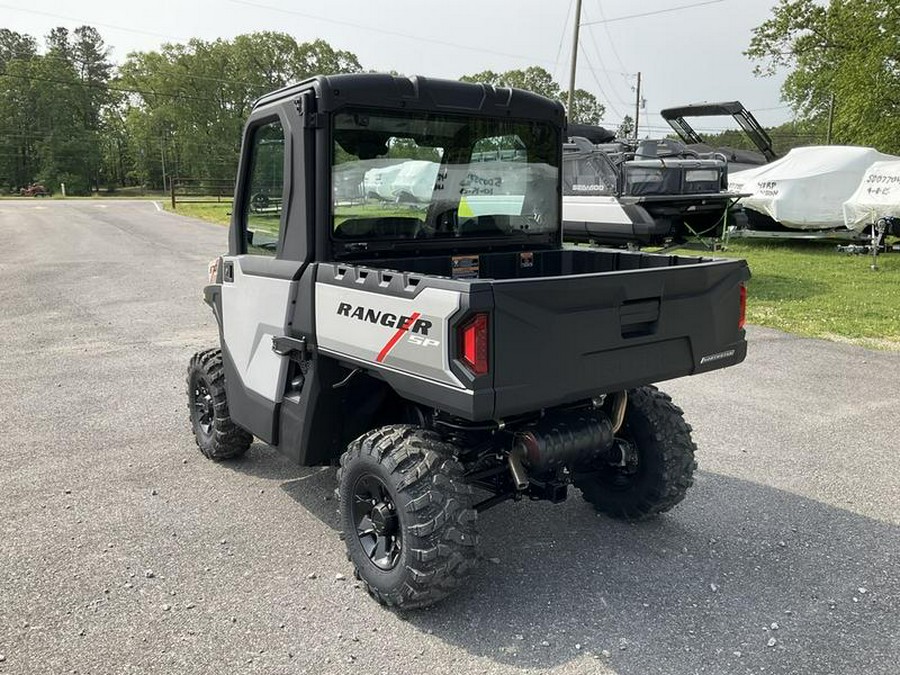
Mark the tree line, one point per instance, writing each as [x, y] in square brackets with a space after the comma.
[69, 115]
[843, 64]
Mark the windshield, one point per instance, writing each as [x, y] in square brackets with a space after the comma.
[588, 174]
[426, 176]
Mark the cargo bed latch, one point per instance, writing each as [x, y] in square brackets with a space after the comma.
[639, 318]
[295, 349]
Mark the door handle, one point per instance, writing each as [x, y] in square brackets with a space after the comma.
[294, 348]
[228, 271]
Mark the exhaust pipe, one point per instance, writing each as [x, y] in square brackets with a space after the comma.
[564, 439]
[520, 478]
[618, 411]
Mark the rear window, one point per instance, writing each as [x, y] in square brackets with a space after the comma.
[426, 176]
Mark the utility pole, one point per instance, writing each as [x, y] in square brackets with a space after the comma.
[162, 154]
[637, 106]
[830, 120]
[574, 58]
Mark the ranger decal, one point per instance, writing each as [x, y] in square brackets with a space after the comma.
[416, 327]
[402, 323]
[407, 333]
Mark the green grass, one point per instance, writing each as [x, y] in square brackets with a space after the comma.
[219, 213]
[809, 289]
[806, 288]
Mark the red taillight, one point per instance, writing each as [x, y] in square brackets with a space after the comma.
[473, 344]
[743, 315]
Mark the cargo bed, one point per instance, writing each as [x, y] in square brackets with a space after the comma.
[564, 325]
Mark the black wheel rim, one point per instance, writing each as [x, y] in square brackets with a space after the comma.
[376, 523]
[204, 407]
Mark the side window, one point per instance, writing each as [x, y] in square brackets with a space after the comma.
[262, 202]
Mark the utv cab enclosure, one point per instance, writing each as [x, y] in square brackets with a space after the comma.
[448, 352]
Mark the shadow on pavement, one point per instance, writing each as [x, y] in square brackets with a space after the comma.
[705, 588]
[682, 594]
[312, 487]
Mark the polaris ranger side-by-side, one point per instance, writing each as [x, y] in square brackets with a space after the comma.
[450, 354]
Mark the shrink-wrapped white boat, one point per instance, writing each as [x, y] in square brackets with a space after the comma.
[877, 196]
[806, 189]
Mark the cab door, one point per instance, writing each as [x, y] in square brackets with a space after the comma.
[258, 287]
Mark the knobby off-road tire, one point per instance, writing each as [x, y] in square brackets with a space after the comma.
[217, 436]
[401, 486]
[665, 461]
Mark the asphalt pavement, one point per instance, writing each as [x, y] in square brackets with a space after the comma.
[122, 550]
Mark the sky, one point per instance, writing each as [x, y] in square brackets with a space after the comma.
[684, 54]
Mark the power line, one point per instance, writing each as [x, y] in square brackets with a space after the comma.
[599, 86]
[137, 30]
[606, 74]
[711, 130]
[124, 90]
[562, 37]
[384, 31]
[171, 69]
[653, 13]
[612, 43]
[530, 58]
[602, 70]
[92, 23]
[183, 73]
[433, 41]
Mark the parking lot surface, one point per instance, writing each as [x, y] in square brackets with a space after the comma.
[122, 550]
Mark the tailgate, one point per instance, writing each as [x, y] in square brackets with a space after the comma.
[561, 339]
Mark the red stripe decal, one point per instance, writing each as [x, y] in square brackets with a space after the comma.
[394, 340]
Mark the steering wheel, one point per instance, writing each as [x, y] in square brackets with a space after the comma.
[441, 219]
[259, 201]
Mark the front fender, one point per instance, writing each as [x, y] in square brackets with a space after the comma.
[212, 296]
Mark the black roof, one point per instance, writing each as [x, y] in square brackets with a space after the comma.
[591, 132]
[703, 110]
[421, 93]
[744, 118]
